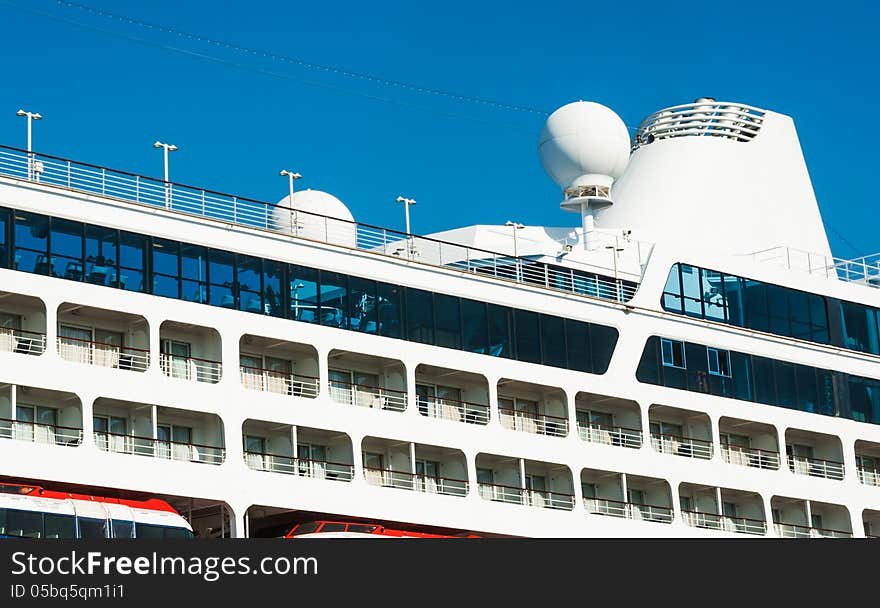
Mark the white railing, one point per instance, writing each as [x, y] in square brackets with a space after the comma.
[540, 424]
[575, 277]
[869, 477]
[610, 435]
[156, 448]
[637, 511]
[452, 409]
[724, 523]
[302, 467]
[521, 496]
[710, 118]
[798, 531]
[864, 270]
[50, 434]
[190, 368]
[281, 383]
[22, 341]
[678, 445]
[102, 354]
[749, 457]
[815, 467]
[368, 396]
[419, 483]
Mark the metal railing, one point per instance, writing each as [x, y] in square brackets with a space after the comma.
[815, 467]
[35, 432]
[86, 178]
[864, 270]
[453, 409]
[159, 448]
[367, 396]
[734, 121]
[419, 483]
[190, 368]
[281, 383]
[724, 523]
[522, 496]
[540, 424]
[629, 510]
[607, 434]
[679, 445]
[102, 354]
[868, 476]
[749, 457]
[786, 530]
[22, 341]
[302, 467]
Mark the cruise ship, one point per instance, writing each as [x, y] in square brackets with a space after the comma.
[685, 359]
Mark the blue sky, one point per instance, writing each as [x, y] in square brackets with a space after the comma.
[109, 88]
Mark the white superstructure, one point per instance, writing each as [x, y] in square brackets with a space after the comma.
[254, 364]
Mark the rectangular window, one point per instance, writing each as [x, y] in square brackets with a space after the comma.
[602, 342]
[672, 353]
[166, 268]
[553, 351]
[334, 299]
[672, 300]
[447, 312]
[67, 249]
[273, 294]
[475, 326]
[102, 253]
[363, 310]
[390, 309]
[249, 278]
[719, 362]
[303, 293]
[31, 242]
[4, 251]
[528, 345]
[193, 273]
[221, 276]
[577, 346]
[132, 258]
[500, 331]
[420, 316]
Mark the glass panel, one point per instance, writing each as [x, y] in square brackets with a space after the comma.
[122, 529]
[165, 257]
[31, 231]
[420, 316]
[553, 350]
[273, 294]
[602, 342]
[672, 291]
[334, 299]
[67, 243]
[764, 383]
[390, 310]
[475, 326]
[254, 444]
[249, 271]
[165, 286]
[193, 266]
[92, 528]
[577, 343]
[101, 255]
[692, 290]
[756, 305]
[714, 303]
[448, 321]
[777, 299]
[59, 526]
[528, 346]
[807, 389]
[786, 395]
[132, 252]
[220, 273]
[4, 222]
[303, 293]
[500, 331]
[859, 327]
[22, 524]
[733, 291]
[362, 314]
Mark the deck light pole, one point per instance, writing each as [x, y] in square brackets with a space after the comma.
[406, 204]
[31, 116]
[166, 149]
[516, 226]
[291, 176]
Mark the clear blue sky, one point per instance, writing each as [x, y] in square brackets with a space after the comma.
[108, 89]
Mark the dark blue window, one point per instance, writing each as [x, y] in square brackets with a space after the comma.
[102, 255]
[166, 265]
[419, 316]
[500, 331]
[603, 340]
[4, 224]
[363, 305]
[390, 310]
[221, 276]
[448, 321]
[248, 274]
[193, 273]
[132, 254]
[577, 346]
[334, 299]
[66, 243]
[273, 294]
[475, 326]
[303, 293]
[553, 350]
[528, 344]
[31, 242]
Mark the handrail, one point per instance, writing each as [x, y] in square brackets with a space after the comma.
[55, 171]
[801, 531]
[457, 410]
[864, 270]
[103, 354]
[815, 467]
[750, 457]
[379, 397]
[141, 445]
[406, 480]
[297, 385]
[205, 370]
[547, 499]
[608, 434]
[681, 445]
[302, 467]
[716, 521]
[869, 476]
[735, 121]
[541, 424]
[38, 432]
[14, 340]
[630, 510]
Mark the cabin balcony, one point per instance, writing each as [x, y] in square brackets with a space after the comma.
[532, 408]
[814, 454]
[627, 496]
[452, 395]
[608, 420]
[190, 352]
[524, 482]
[796, 518]
[142, 429]
[868, 462]
[741, 512]
[295, 450]
[279, 367]
[367, 381]
[417, 467]
[749, 444]
[39, 415]
[22, 324]
[871, 523]
[680, 432]
[104, 338]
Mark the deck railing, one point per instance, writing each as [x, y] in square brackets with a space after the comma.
[724, 523]
[302, 467]
[35, 432]
[159, 448]
[595, 432]
[864, 270]
[86, 178]
[815, 467]
[679, 445]
[522, 496]
[190, 368]
[453, 409]
[103, 354]
[749, 457]
[540, 424]
[787, 530]
[281, 383]
[869, 476]
[367, 396]
[420, 483]
[629, 510]
[22, 341]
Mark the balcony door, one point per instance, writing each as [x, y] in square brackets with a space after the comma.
[177, 359]
[110, 433]
[75, 343]
[36, 423]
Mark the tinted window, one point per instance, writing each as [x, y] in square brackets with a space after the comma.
[303, 293]
[92, 528]
[305, 528]
[448, 321]
[334, 299]
[475, 326]
[420, 316]
[553, 351]
[4, 222]
[67, 249]
[390, 310]
[59, 526]
[602, 342]
[122, 529]
[500, 331]
[21, 524]
[101, 255]
[132, 253]
[528, 347]
[273, 300]
[577, 343]
[363, 312]
[221, 275]
[249, 271]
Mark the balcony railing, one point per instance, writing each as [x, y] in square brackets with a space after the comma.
[102, 354]
[302, 467]
[798, 531]
[540, 424]
[368, 396]
[576, 277]
[522, 496]
[724, 523]
[749, 457]
[23, 341]
[815, 467]
[610, 435]
[453, 409]
[281, 383]
[869, 477]
[679, 445]
[190, 368]
[52, 434]
[420, 483]
[629, 510]
[159, 448]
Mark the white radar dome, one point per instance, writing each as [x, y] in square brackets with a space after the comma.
[584, 144]
[315, 215]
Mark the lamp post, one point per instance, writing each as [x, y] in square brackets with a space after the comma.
[166, 149]
[296, 289]
[291, 176]
[31, 116]
[616, 279]
[406, 204]
[516, 226]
